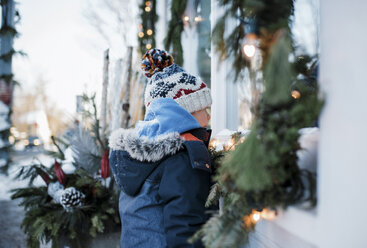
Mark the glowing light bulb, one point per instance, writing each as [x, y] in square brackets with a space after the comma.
[186, 18]
[198, 19]
[268, 214]
[249, 45]
[148, 46]
[213, 143]
[141, 34]
[147, 3]
[147, 9]
[249, 50]
[256, 216]
[149, 32]
[296, 94]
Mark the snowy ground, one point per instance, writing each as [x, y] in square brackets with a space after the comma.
[7, 182]
[11, 215]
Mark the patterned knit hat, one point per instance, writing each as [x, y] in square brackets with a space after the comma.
[168, 80]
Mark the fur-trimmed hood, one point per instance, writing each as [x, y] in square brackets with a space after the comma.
[134, 158]
[144, 148]
[158, 135]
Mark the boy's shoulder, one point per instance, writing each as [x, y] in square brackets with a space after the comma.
[195, 153]
[164, 147]
[199, 155]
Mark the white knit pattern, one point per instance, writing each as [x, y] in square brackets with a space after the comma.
[196, 101]
[200, 99]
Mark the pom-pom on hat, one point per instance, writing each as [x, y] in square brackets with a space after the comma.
[168, 80]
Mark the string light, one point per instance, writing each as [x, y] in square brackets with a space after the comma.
[249, 50]
[268, 214]
[213, 143]
[148, 46]
[230, 145]
[147, 9]
[198, 19]
[186, 18]
[147, 3]
[249, 45]
[256, 216]
[141, 34]
[149, 32]
[296, 94]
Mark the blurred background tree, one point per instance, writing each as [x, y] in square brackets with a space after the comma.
[31, 101]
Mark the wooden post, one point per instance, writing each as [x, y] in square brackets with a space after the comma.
[104, 96]
[126, 101]
[115, 94]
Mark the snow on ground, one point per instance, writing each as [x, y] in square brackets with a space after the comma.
[7, 182]
[11, 215]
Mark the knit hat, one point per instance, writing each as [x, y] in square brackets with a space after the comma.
[168, 80]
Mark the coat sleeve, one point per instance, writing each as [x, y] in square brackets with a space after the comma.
[184, 191]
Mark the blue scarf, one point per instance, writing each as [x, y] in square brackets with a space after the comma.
[164, 116]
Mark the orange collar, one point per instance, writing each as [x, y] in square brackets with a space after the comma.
[189, 137]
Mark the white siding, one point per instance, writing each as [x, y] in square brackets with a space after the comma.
[224, 91]
[343, 161]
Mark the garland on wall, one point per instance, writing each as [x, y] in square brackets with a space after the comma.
[7, 34]
[175, 28]
[261, 174]
[254, 20]
[148, 16]
[72, 208]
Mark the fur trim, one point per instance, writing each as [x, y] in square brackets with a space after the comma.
[143, 148]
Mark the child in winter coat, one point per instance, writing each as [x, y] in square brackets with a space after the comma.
[163, 165]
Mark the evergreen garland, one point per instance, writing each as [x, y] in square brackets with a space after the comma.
[267, 16]
[262, 172]
[175, 28]
[148, 20]
[7, 30]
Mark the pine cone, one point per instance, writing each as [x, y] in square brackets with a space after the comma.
[71, 198]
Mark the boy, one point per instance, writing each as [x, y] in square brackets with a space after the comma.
[163, 165]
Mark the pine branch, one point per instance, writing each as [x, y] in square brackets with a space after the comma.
[85, 151]
[96, 124]
[60, 153]
[175, 28]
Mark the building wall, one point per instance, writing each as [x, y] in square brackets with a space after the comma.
[343, 162]
[224, 90]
